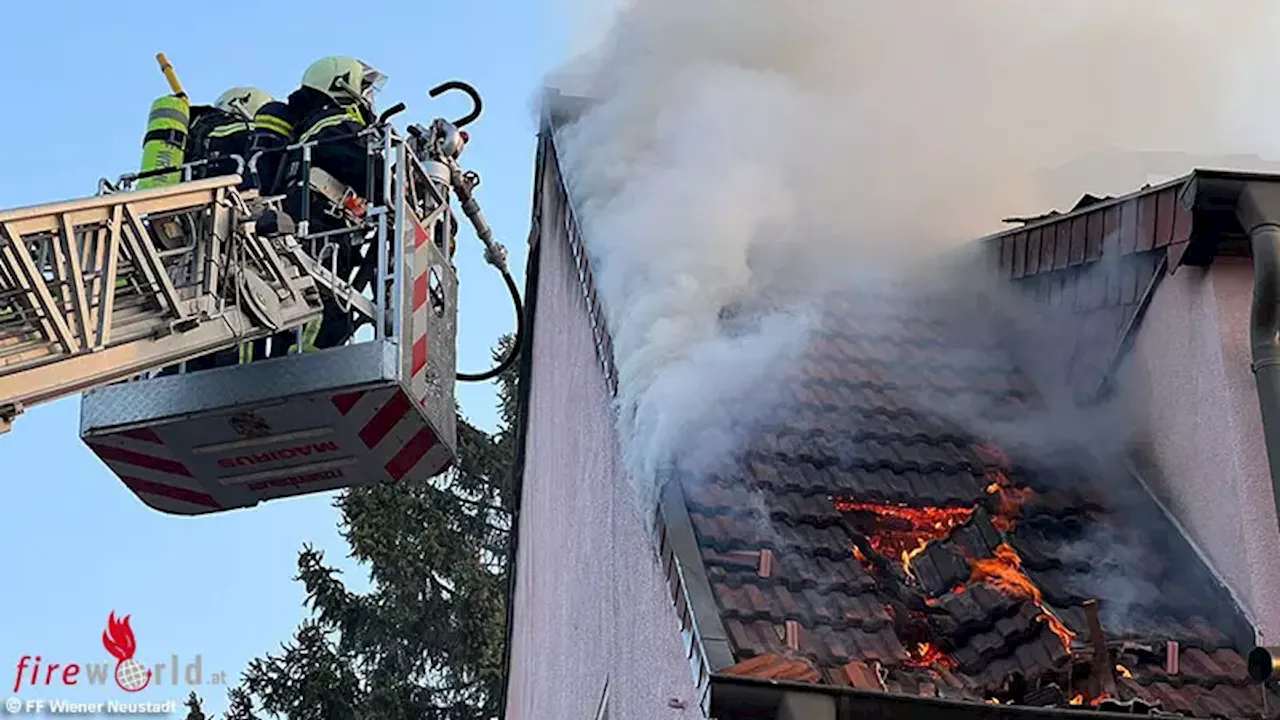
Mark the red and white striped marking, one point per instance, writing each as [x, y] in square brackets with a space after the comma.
[397, 437]
[377, 431]
[141, 459]
[418, 244]
[380, 425]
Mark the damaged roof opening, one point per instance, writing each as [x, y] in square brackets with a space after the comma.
[885, 534]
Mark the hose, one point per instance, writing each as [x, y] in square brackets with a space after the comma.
[514, 353]
[495, 255]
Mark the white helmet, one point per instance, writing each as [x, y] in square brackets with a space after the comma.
[242, 101]
[345, 79]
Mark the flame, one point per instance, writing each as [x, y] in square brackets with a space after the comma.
[1011, 500]
[928, 655]
[901, 531]
[909, 555]
[118, 638]
[862, 559]
[1003, 571]
[1077, 700]
[1124, 671]
[1057, 627]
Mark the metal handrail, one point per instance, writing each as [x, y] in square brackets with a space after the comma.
[400, 168]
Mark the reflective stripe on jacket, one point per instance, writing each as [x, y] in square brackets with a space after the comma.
[310, 332]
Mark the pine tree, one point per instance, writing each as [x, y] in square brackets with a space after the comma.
[240, 705]
[426, 643]
[195, 709]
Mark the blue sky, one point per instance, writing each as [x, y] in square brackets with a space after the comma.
[78, 545]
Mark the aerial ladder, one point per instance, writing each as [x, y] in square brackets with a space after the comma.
[99, 294]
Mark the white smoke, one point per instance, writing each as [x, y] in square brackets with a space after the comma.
[744, 145]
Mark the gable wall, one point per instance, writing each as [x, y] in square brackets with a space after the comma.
[591, 600]
[1190, 385]
[1186, 377]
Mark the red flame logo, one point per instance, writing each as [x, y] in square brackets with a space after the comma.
[118, 638]
[119, 641]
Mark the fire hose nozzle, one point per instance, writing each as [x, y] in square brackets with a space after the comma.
[1264, 663]
[496, 255]
[463, 183]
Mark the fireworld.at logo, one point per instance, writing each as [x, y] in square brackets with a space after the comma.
[128, 673]
[118, 639]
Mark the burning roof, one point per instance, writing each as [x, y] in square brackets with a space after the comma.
[866, 538]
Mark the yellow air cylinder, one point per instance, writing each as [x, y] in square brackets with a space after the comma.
[164, 145]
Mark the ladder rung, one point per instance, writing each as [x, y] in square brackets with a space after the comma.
[81, 280]
[26, 355]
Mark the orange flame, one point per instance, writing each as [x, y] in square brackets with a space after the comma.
[901, 531]
[927, 655]
[1124, 671]
[1003, 571]
[1077, 700]
[909, 555]
[1011, 500]
[862, 558]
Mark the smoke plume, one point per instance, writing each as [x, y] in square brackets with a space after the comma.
[741, 150]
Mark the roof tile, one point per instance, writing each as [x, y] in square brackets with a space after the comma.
[862, 676]
[871, 425]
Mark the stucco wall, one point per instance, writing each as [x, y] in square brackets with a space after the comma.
[1190, 383]
[591, 602]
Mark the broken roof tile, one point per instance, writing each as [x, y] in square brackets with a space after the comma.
[775, 666]
[861, 675]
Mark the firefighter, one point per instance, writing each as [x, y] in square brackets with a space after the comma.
[219, 131]
[334, 103]
[336, 100]
[223, 129]
[215, 133]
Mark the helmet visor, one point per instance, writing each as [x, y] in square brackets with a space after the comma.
[372, 83]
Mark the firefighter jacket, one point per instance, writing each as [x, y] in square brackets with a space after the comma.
[216, 135]
[273, 130]
[311, 116]
[347, 160]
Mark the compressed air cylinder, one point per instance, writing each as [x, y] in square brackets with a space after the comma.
[165, 143]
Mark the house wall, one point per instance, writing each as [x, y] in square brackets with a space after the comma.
[591, 602]
[1190, 382]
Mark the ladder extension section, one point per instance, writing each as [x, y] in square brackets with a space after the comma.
[99, 290]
